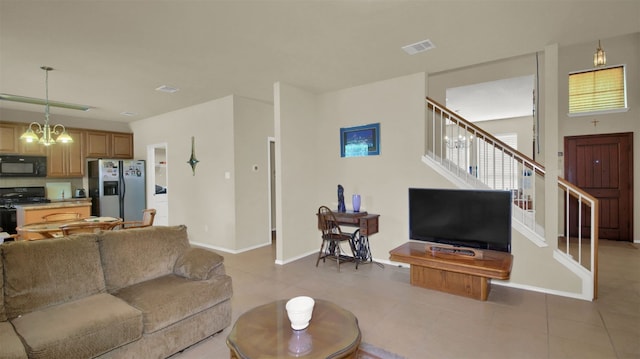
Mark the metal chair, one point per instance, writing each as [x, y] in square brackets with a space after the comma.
[332, 236]
[148, 216]
[62, 216]
[88, 227]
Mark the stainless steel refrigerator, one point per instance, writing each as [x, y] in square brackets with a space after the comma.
[117, 188]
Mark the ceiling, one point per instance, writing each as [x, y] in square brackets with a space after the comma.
[112, 55]
[504, 98]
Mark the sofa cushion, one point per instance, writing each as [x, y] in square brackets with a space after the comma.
[198, 264]
[169, 299]
[10, 345]
[82, 328]
[38, 274]
[136, 255]
[3, 315]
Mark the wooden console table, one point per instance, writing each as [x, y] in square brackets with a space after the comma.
[452, 273]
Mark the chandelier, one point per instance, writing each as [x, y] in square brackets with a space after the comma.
[460, 142]
[43, 134]
[599, 58]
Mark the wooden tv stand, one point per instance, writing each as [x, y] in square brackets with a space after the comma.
[452, 273]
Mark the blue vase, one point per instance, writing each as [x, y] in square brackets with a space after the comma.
[355, 199]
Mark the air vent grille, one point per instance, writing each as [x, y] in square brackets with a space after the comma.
[419, 47]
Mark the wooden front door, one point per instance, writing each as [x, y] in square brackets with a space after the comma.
[602, 165]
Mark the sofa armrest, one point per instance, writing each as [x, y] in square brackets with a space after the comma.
[199, 264]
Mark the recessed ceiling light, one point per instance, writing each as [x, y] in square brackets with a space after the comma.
[418, 47]
[127, 113]
[167, 89]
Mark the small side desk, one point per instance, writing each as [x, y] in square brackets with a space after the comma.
[367, 224]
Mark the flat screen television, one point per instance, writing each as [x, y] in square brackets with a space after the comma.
[479, 219]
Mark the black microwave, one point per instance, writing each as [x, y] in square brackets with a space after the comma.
[23, 166]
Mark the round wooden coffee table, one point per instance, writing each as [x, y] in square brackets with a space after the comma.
[265, 332]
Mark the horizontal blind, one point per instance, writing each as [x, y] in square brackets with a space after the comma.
[597, 90]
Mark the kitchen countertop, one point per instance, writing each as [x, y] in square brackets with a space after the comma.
[79, 202]
[73, 199]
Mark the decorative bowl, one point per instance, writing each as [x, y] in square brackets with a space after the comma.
[299, 310]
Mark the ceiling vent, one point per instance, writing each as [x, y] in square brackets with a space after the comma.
[167, 89]
[418, 47]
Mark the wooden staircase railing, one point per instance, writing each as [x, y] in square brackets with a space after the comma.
[481, 160]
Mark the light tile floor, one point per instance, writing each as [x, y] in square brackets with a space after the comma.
[420, 323]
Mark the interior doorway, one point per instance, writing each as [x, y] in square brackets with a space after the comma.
[602, 165]
[158, 182]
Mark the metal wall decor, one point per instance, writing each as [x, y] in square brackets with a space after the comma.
[192, 160]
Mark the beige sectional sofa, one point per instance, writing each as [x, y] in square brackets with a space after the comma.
[138, 293]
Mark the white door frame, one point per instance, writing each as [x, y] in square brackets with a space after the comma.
[163, 218]
[271, 185]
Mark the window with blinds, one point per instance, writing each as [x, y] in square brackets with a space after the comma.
[601, 90]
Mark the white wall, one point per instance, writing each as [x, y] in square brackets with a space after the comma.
[521, 126]
[497, 70]
[204, 202]
[382, 181]
[298, 170]
[253, 124]
[225, 205]
[308, 137]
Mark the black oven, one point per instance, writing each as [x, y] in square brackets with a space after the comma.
[8, 220]
[12, 196]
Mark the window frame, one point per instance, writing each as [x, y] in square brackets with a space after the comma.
[599, 112]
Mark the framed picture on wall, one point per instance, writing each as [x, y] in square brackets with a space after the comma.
[360, 141]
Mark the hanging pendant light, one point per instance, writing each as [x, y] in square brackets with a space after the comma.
[599, 58]
[43, 134]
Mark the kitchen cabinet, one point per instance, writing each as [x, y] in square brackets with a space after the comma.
[98, 144]
[102, 144]
[10, 142]
[29, 148]
[67, 160]
[9, 138]
[122, 145]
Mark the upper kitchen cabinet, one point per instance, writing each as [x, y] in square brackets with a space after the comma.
[102, 144]
[9, 138]
[122, 145]
[29, 148]
[67, 159]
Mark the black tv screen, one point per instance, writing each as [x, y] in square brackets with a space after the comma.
[466, 218]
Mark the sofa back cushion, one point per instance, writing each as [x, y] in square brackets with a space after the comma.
[132, 256]
[42, 273]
